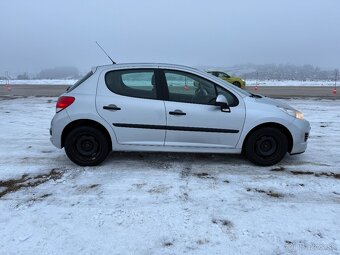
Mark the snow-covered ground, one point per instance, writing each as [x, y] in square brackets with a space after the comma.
[38, 82]
[290, 83]
[248, 82]
[160, 203]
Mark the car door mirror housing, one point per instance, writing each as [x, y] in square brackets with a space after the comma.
[223, 103]
[221, 100]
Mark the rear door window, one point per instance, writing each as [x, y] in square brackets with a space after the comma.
[132, 83]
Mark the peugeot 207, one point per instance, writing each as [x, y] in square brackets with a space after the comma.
[172, 108]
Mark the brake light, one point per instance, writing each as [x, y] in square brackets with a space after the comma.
[64, 102]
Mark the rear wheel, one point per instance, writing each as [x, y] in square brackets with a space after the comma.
[86, 146]
[266, 146]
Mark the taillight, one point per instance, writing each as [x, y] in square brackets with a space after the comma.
[64, 102]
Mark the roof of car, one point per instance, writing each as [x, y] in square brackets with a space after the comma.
[133, 65]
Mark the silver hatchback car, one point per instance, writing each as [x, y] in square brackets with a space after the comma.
[163, 107]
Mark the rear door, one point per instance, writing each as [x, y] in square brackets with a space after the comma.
[193, 119]
[128, 100]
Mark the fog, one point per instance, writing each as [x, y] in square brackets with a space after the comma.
[39, 34]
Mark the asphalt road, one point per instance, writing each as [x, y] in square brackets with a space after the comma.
[271, 91]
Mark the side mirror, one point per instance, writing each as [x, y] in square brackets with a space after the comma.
[223, 103]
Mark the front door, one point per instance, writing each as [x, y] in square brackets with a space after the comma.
[193, 119]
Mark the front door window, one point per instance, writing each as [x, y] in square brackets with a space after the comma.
[187, 88]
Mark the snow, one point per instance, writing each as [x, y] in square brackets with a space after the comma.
[248, 82]
[289, 83]
[166, 203]
[38, 82]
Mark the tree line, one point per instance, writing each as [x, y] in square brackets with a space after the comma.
[284, 72]
[65, 72]
[247, 71]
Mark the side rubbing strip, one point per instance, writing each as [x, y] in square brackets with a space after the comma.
[176, 128]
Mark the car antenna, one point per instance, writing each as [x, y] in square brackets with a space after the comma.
[105, 52]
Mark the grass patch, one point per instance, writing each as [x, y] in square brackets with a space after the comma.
[27, 181]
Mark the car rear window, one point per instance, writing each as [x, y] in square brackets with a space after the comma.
[88, 75]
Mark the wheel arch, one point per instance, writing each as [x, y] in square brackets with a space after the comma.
[85, 122]
[281, 127]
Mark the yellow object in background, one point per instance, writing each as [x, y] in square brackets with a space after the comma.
[237, 81]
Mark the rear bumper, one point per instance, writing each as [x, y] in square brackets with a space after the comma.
[58, 123]
[301, 130]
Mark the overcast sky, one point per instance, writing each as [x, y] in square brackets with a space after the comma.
[39, 34]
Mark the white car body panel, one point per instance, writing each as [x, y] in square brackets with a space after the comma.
[208, 117]
[140, 112]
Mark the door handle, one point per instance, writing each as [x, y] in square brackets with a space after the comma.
[177, 112]
[111, 107]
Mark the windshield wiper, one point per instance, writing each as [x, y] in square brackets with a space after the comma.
[255, 95]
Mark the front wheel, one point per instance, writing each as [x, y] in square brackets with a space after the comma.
[266, 146]
[86, 146]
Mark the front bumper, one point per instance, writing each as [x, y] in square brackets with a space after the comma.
[300, 132]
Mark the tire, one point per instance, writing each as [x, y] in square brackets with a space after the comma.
[266, 146]
[237, 84]
[86, 146]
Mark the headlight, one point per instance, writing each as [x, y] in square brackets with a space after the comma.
[299, 115]
[294, 113]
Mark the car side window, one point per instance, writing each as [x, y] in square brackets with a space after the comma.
[223, 75]
[231, 98]
[187, 88]
[132, 83]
